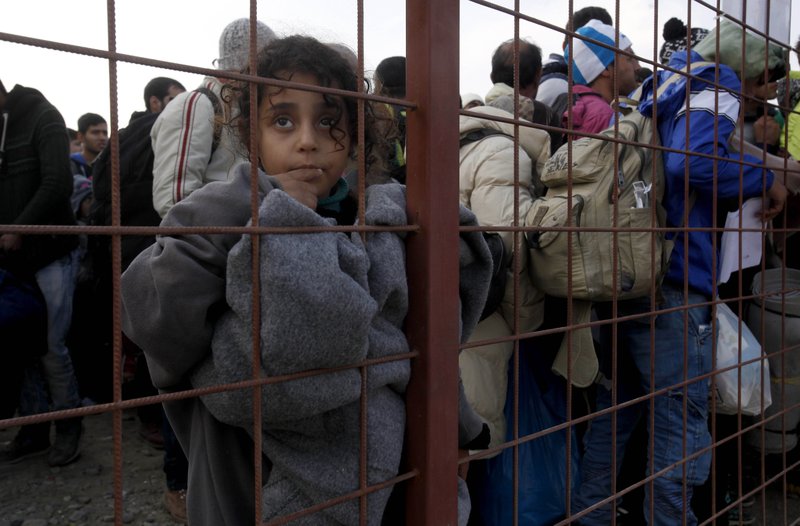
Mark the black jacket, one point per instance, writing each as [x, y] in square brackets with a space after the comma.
[35, 178]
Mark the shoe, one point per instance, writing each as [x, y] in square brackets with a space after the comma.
[734, 519]
[21, 448]
[65, 450]
[175, 503]
[150, 432]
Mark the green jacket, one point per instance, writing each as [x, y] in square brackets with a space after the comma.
[792, 143]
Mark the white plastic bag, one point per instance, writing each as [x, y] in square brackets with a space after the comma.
[755, 375]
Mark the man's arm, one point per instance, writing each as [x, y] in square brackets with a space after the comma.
[52, 149]
[182, 142]
[712, 118]
[788, 175]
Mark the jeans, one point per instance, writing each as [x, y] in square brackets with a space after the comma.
[176, 466]
[57, 283]
[666, 425]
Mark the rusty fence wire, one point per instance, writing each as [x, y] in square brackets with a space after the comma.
[528, 362]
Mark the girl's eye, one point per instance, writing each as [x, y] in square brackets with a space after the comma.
[327, 122]
[283, 122]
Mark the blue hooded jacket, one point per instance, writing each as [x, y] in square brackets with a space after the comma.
[707, 107]
[79, 165]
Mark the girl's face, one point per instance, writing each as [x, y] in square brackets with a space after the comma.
[294, 132]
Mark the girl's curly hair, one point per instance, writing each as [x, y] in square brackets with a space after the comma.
[284, 57]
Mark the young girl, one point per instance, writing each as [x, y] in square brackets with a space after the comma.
[327, 300]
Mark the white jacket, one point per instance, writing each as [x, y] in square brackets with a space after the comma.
[486, 186]
[182, 139]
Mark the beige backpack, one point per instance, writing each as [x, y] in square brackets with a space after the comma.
[593, 232]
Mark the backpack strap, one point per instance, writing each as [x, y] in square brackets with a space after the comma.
[576, 95]
[218, 113]
[501, 260]
[479, 135]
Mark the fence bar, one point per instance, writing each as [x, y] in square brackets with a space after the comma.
[433, 320]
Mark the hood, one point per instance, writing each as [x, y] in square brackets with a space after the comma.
[78, 158]
[22, 99]
[498, 90]
[673, 98]
[536, 143]
[137, 115]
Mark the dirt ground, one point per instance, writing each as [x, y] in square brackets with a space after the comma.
[34, 494]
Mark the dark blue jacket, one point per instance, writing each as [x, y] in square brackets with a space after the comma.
[705, 111]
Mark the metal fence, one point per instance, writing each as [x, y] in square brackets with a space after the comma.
[745, 460]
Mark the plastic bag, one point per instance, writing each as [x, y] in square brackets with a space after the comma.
[542, 462]
[755, 375]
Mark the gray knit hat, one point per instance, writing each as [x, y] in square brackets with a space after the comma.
[234, 43]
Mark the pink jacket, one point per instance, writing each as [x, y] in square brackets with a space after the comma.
[591, 113]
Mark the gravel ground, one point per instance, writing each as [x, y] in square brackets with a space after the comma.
[34, 494]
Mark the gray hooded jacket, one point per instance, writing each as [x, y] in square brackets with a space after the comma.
[327, 300]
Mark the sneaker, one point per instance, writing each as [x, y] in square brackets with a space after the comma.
[175, 503]
[65, 449]
[21, 448]
[734, 519]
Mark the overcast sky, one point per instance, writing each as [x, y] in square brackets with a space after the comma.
[187, 31]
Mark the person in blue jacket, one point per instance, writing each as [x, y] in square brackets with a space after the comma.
[674, 361]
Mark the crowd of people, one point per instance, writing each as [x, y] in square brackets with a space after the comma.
[333, 299]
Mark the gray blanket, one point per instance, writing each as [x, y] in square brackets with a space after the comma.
[327, 300]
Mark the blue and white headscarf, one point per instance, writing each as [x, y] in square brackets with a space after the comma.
[590, 59]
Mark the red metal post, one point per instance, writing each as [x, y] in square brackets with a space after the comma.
[433, 321]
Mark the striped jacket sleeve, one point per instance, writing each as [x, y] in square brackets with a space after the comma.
[713, 116]
[182, 138]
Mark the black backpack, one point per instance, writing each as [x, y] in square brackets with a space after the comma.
[501, 259]
[135, 181]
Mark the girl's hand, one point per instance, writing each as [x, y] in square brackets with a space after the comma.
[299, 184]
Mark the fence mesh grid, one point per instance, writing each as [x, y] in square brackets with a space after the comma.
[750, 456]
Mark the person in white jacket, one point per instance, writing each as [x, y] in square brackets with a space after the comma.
[193, 141]
[487, 187]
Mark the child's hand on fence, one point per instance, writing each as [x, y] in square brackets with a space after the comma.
[300, 185]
